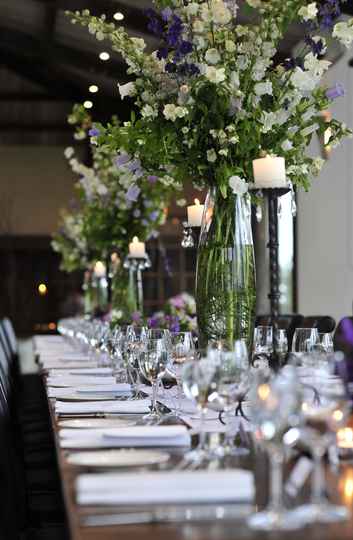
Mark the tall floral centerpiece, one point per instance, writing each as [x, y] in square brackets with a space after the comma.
[117, 200]
[212, 99]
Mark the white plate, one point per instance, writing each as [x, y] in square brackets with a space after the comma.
[118, 458]
[93, 423]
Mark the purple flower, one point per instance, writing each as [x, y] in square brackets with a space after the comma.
[133, 165]
[167, 14]
[174, 325]
[154, 215]
[122, 159]
[132, 193]
[185, 47]
[153, 322]
[152, 179]
[335, 92]
[144, 222]
[94, 132]
[136, 317]
[177, 302]
[162, 53]
[317, 46]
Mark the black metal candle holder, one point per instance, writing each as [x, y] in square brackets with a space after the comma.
[273, 194]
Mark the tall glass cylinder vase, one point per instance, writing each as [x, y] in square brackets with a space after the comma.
[225, 277]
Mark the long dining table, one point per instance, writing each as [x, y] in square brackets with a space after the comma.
[213, 522]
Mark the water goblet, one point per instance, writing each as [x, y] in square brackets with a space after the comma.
[275, 411]
[182, 351]
[153, 360]
[232, 382]
[322, 416]
[198, 378]
[263, 344]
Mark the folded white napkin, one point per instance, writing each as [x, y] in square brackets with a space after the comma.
[75, 380]
[102, 371]
[115, 389]
[165, 487]
[60, 365]
[134, 436]
[139, 406]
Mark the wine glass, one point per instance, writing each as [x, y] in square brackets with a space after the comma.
[263, 343]
[275, 410]
[322, 416]
[135, 340]
[198, 377]
[304, 341]
[182, 351]
[232, 382]
[153, 361]
[282, 344]
[326, 342]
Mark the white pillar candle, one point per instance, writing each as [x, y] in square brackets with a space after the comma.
[195, 213]
[270, 172]
[137, 249]
[99, 269]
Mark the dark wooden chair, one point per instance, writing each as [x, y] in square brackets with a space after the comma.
[323, 323]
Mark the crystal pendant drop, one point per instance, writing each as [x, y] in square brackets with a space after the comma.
[293, 205]
[279, 208]
[259, 213]
[188, 240]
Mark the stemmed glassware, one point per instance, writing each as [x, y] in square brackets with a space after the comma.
[134, 343]
[275, 410]
[153, 360]
[304, 341]
[263, 340]
[182, 351]
[232, 382]
[326, 342]
[322, 416]
[198, 378]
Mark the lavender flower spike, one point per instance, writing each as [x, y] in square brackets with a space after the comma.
[133, 193]
[152, 178]
[335, 92]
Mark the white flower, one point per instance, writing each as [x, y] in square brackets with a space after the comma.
[315, 66]
[220, 12]
[139, 43]
[148, 111]
[101, 189]
[69, 152]
[229, 45]
[215, 75]
[308, 12]
[181, 202]
[212, 56]
[317, 165]
[172, 112]
[192, 9]
[100, 36]
[198, 26]
[234, 80]
[211, 155]
[127, 90]
[287, 145]
[238, 185]
[343, 31]
[263, 88]
[303, 80]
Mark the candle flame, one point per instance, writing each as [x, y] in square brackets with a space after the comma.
[135, 240]
[197, 202]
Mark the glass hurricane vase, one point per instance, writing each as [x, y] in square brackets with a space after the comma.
[225, 277]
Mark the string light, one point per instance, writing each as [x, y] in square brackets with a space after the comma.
[104, 56]
[118, 16]
[88, 104]
[93, 88]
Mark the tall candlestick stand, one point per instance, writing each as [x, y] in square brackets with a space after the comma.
[274, 296]
[136, 265]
